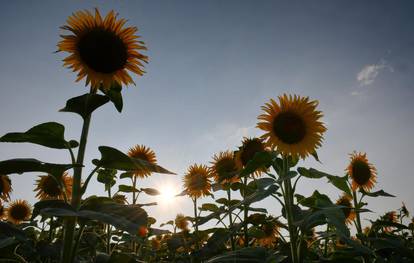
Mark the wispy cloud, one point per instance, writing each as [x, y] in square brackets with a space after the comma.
[369, 73]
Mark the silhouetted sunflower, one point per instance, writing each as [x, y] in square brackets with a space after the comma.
[197, 181]
[144, 153]
[390, 217]
[224, 168]
[246, 152]
[19, 211]
[48, 187]
[181, 222]
[362, 172]
[347, 210]
[5, 187]
[102, 49]
[293, 126]
[271, 233]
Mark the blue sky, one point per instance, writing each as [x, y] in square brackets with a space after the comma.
[212, 65]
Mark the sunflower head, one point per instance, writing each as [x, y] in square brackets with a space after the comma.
[120, 199]
[2, 211]
[224, 168]
[271, 233]
[181, 222]
[144, 153]
[5, 187]
[197, 181]
[246, 152]
[102, 49]
[292, 126]
[362, 172]
[48, 187]
[347, 208]
[19, 211]
[390, 217]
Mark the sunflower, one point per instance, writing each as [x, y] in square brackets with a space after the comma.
[271, 233]
[2, 211]
[362, 172]
[120, 199]
[181, 222]
[347, 208]
[390, 217]
[197, 181]
[144, 153]
[246, 152]
[19, 211]
[293, 126]
[48, 187]
[5, 187]
[224, 168]
[102, 50]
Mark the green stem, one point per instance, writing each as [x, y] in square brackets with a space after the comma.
[108, 229]
[76, 246]
[288, 196]
[326, 241]
[358, 218]
[230, 219]
[70, 223]
[246, 214]
[196, 223]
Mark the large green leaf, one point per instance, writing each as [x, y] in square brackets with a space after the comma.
[337, 181]
[125, 217]
[150, 191]
[260, 160]
[377, 193]
[115, 159]
[49, 134]
[84, 105]
[20, 166]
[127, 188]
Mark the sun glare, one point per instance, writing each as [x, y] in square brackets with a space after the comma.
[168, 192]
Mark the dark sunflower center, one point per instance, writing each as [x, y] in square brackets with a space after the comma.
[226, 168]
[289, 127]
[250, 149]
[361, 172]
[198, 182]
[19, 212]
[347, 209]
[102, 51]
[51, 187]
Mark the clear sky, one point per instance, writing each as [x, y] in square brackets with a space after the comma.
[212, 65]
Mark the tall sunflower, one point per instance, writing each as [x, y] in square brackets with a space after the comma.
[362, 172]
[197, 181]
[102, 49]
[347, 208]
[246, 152]
[48, 187]
[271, 233]
[181, 222]
[18, 211]
[144, 153]
[292, 126]
[5, 187]
[224, 168]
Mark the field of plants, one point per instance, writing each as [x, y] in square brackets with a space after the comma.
[65, 225]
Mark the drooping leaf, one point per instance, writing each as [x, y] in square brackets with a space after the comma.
[260, 160]
[337, 181]
[150, 191]
[114, 159]
[127, 188]
[50, 204]
[377, 193]
[84, 105]
[115, 95]
[209, 207]
[20, 166]
[49, 134]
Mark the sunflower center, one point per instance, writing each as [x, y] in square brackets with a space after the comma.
[51, 187]
[250, 149]
[289, 127]
[19, 212]
[226, 168]
[103, 51]
[361, 172]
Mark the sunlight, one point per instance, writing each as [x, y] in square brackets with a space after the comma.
[168, 192]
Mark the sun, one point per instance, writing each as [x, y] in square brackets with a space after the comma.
[168, 194]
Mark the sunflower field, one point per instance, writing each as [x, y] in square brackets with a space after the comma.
[65, 225]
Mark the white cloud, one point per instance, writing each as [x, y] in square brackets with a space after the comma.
[369, 73]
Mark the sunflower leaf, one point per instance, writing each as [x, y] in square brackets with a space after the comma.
[84, 105]
[49, 134]
[115, 95]
[22, 165]
[260, 160]
[150, 191]
[115, 159]
[377, 193]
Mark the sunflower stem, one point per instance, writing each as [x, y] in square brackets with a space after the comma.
[246, 214]
[196, 223]
[230, 218]
[70, 223]
[289, 212]
[358, 218]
